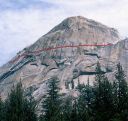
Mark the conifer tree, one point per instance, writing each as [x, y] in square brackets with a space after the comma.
[51, 105]
[85, 101]
[14, 104]
[115, 96]
[74, 112]
[2, 118]
[122, 92]
[18, 107]
[82, 104]
[67, 108]
[30, 108]
[103, 96]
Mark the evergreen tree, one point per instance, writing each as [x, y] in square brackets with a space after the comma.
[30, 109]
[122, 93]
[18, 107]
[103, 105]
[2, 118]
[74, 112]
[115, 96]
[51, 105]
[85, 101]
[67, 108]
[14, 104]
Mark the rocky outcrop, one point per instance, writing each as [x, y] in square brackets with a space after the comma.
[37, 63]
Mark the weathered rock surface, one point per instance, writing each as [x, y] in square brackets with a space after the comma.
[68, 64]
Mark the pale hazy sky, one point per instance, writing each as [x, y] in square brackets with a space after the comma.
[22, 22]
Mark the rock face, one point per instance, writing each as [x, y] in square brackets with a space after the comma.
[72, 64]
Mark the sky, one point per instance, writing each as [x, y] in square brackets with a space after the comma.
[22, 22]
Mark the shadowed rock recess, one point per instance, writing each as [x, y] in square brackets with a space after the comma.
[70, 65]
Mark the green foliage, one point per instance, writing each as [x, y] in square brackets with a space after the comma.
[121, 92]
[122, 88]
[19, 108]
[85, 101]
[74, 111]
[106, 100]
[67, 108]
[51, 103]
[103, 104]
[30, 109]
[2, 114]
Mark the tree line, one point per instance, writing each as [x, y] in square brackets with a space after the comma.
[106, 100]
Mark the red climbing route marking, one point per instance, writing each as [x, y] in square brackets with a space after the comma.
[57, 47]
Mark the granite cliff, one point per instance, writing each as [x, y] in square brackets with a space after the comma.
[72, 64]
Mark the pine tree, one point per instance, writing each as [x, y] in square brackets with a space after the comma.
[14, 105]
[82, 105]
[122, 92]
[85, 101]
[67, 108]
[103, 96]
[115, 96]
[18, 107]
[30, 109]
[74, 112]
[51, 105]
[98, 93]
[2, 118]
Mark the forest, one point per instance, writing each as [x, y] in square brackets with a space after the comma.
[106, 100]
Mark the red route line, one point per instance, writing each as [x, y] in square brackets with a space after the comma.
[58, 47]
